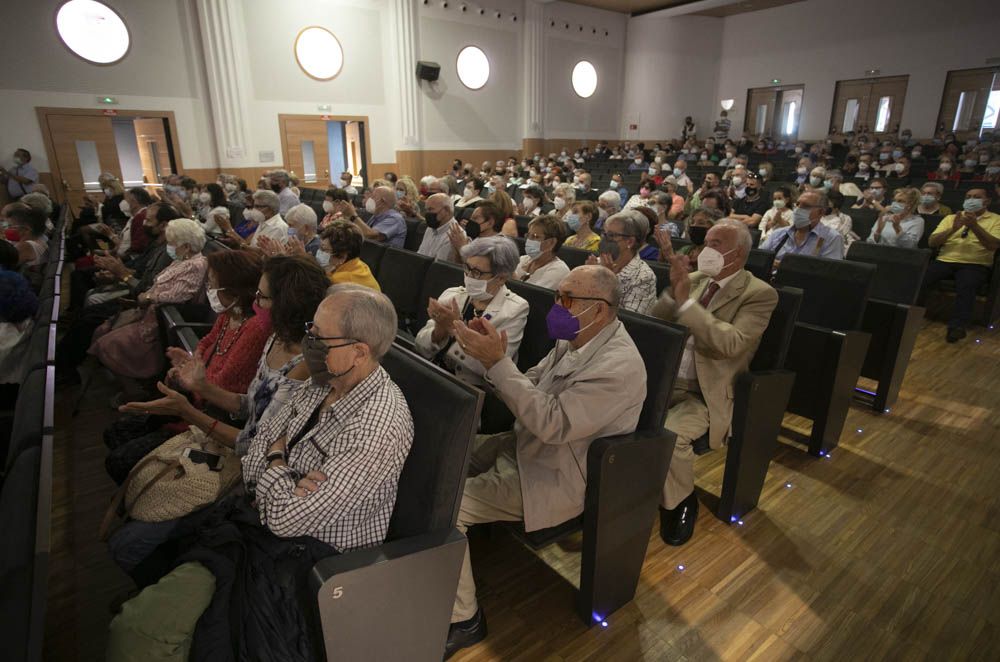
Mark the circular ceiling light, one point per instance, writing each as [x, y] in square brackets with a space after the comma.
[319, 53]
[584, 79]
[93, 31]
[473, 67]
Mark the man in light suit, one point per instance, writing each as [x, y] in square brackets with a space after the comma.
[592, 384]
[726, 310]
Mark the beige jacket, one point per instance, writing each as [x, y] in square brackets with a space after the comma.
[561, 405]
[726, 335]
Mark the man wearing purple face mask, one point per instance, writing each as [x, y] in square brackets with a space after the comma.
[592, 384]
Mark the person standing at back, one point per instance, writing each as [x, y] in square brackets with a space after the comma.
[22, 177]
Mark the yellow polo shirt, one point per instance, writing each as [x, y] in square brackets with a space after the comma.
[355, 271]
[968, 249]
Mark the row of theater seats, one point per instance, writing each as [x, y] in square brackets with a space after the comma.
[26, 493]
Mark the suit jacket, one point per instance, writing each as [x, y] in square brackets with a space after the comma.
[726, 335]
[506, 311]
[565, 402]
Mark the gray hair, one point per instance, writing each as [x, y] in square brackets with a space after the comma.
[269, 199]
[824, 199]
[184, 231]
[281, 175]
[367, 316]
[937, 186]
[302, 213]
[634, 224]
[567, 191]
[611, 199]
[501, 251]
[743, 238]
[607, 285]
[38, 201]
[445, 200]
[714, 215]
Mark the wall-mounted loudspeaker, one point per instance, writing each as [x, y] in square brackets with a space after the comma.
[428, 70]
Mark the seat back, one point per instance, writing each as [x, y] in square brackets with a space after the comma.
[931, 222]
[24, 609]
[440, 276]
[662, 272]
[661, 345]
[415, 229]
[862, 221]
[835, 292]
[899, 273]
[401, 276]
[445, 414]
[30, 414]
[760, 263]
[371, 254]
[773, 347]
[535, 343]
[573, 257]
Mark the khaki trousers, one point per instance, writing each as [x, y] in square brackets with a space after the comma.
[688, 419]
[492, 494]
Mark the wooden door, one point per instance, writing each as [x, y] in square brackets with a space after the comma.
[154, 149]
[307, 151]
[84, 147]
[788, 107]
[760, 110]
[963, 103]
[885, 104]
[850, 106]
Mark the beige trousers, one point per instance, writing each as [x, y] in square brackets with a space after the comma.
[688, 419]
[492, 494]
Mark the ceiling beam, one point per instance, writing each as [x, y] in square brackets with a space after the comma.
[688, 8]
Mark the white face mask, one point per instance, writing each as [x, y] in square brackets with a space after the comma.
[230, 188]
[658, 160]
[216, 303]
[476, 289]
[370, 205]
[737, 181]
[255, 215]
[528, 204]
[204, 198]
[711, 262]
[469, 192]
[109, 192]
[123, 205]
[323, 258]
[327, 206]
[559, 202]
[613, 184]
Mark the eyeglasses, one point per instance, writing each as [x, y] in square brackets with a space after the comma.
[476, 273]
[566, 299]
[614, 236]
[536, 236]
[260, 296]
[312, 336]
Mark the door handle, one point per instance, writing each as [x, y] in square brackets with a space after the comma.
[66, 186]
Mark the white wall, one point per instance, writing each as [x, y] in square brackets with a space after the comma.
[818, 42]
[671, 71]
[160, 72]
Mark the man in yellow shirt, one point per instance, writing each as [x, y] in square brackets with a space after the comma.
[967, 241]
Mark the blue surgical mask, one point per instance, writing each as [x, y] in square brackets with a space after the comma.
[678, 172]
[532, 248]
[897, 207]
[323, 258]
[172, 252]
[292, 232]
[573, 221]
[800, 217]
[972, 205]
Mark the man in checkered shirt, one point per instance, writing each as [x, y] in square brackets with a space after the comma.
[327, 465]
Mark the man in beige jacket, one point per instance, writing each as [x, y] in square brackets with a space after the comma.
[592, 384]
[726, 310]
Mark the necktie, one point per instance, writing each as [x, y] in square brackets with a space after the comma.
[710, 291]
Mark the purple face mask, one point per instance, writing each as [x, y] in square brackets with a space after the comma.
[562, 324]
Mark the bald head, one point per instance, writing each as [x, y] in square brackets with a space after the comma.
[593, 294]
[385, 197]
[441, 205]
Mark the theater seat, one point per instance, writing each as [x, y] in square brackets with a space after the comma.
[440, 276]
[573, 257]
[662, 272]
[536, 342]
[401, 277]
[371, 254]
[761, 264]
[33, 414]
[415, 229]
[394, 601]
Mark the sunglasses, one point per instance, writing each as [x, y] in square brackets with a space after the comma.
[566, 300]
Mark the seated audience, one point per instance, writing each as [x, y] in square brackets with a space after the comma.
[752, 206]
[643, 198]
[873, 197]
[930, 200]
[486, 221]
[330, 199]
[33, 245]
[780, 213]
[302, 226]
[837, 220]
[386, 225]
[900, 224]
[539, 265]
[280, 183]
[322, 472]
[968, 241]
[709, 183]
[266, 220]
[946, 171]
[18, 306]
[488, 262]
[607, 205]
[592, 384]
[617, 184]
[532, 200]
[503, 202]
[340, 256]
[726, 309]
[622, 238]
[563, 198]
[807, 235]
[472, 195]
[680, 175]
[440, 219]
[581, 222]
[408, 198]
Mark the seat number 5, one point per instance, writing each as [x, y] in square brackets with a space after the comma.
[338, 592]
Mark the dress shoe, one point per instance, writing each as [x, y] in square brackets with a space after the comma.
[677, 524]
[955, 334]
[465, 633]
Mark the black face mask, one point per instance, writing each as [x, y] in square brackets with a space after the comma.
[431, 219]
[472, 229]
[314, 353]
[150, 232]
[276, 188]
[697, 234]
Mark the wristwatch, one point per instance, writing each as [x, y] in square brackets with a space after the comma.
[275, 455]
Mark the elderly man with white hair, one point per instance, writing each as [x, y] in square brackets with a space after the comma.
[265, 213]
[622, 237]
[439, 215]
[386, 225]
[280, 183]
[609, 203]
[591, 385]
[302, 223]
[726, 309]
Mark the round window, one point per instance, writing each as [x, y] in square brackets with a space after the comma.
[93, 31]
[473, 67]
[584, 78]
[319, 53]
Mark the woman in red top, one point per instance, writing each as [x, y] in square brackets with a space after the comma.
[230, 351]
[946, 171]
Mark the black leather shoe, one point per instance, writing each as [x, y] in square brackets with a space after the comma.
[465, 633]
[677, 525]
[955, 334]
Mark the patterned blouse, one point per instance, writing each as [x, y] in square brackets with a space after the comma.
[268, 392]
[231, 355]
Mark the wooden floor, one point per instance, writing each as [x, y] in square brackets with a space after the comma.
[890, 549]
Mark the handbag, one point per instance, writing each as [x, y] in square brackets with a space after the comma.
[166, 485]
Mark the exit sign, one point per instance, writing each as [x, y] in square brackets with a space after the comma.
[111, 112]
[108, 101]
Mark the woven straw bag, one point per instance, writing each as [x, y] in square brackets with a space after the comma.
[164, 485]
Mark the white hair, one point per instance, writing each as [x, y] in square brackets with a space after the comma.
[634, 224]
[185, 232]
[743, 238]
[302, 213]
[367, 316]
[268, 199]
[501, 251]
[39, 201]
[219, 211]
[567, 191]
[611, 199]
